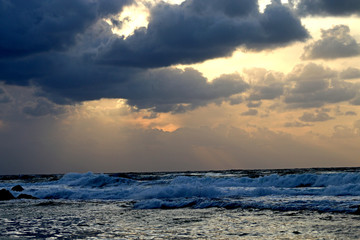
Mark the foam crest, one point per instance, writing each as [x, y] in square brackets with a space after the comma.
[319, 191]
[90, 179]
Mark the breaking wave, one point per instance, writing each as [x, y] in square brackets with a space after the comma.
[322, 191]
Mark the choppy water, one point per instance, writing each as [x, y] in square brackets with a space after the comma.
[258, 204]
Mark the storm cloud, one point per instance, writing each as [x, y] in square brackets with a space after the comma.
[70, 54]
[33, 26]
[175, 90]
[163, 90]
[198, 30]
[328, 7]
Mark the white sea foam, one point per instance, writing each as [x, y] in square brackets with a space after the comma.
[335, 191]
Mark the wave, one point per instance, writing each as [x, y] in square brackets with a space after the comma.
[333, 191]
[103, 185]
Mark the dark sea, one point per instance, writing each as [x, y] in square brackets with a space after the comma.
[235, 204]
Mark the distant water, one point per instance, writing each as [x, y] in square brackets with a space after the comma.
[246, 204]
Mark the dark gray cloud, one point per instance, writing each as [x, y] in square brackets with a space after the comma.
[313, 85]
[65, 78]
[250, 112]
[33, 26]
[65, 74]
[328, 7]
[4, 97]
[152, 115]
[338, 112]
[74, 69]
[162, 90]
[24, 104]
[230, 8]
[235, 100]
[335, 43]
[271, 91]
[43, 107]
[315, 117]
[306, 86]
[175, 90]
[253, 104]
[195, 31]
[69, 53]
[350, 113]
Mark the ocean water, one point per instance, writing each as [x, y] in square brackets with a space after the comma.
[235, 204]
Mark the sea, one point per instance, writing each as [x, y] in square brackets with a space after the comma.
[314, 203]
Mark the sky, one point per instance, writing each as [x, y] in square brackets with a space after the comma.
[149, 85]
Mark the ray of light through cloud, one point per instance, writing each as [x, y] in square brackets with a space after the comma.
[178, 85]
